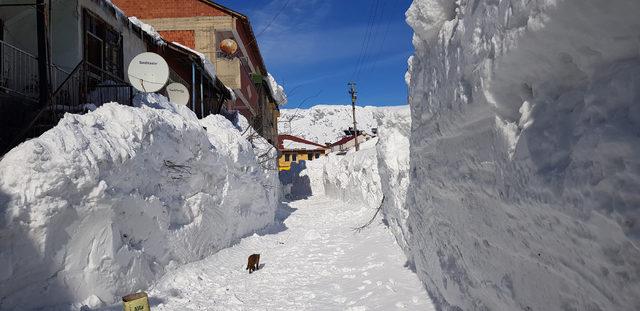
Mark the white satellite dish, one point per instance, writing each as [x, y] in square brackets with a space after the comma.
[178, 93]
[148, 72]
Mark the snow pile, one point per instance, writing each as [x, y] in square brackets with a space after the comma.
[148, 29]
[277, 90]
[105, 203]
[326, 123]
[525, 153]
[351, 178]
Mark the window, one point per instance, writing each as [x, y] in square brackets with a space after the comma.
[317, 155]
[287, 157]
[1, 50]
[295, 157]
[102, 45]
[310, 156]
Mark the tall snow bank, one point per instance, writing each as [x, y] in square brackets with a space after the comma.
[350, 178]
[524, 154]
[104, 203]
[393, 169]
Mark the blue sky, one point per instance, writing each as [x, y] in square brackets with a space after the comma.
[313, 48]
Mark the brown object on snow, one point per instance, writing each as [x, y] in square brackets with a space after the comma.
[253, 262]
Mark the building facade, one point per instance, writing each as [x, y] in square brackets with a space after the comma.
[293, 149]
[203, 25]
[91, 43]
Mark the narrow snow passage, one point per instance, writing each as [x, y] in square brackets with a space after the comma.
[311, 261]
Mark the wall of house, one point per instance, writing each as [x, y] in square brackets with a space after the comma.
[350, 144]
[20, 31]
[17, 21]
[184, 37]
[133, 43]
[67, 31]
[66, 45]
[301, 155]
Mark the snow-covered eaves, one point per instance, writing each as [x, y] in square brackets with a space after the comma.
[134, 21]
[206, 63]
[290, 142]
[294, 145]
[277, 90]
[148, 29]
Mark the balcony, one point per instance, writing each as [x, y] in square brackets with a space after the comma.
[19, 73]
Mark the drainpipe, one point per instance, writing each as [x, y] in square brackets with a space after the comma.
[193, 87]
[43, 55]
[201, 96]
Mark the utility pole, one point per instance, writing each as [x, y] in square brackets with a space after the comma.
[43, 55]
[354, 96]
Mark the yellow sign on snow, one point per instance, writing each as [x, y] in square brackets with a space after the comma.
[136, 302]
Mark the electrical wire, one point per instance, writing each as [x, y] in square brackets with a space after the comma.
[362, 45]
[255, 37]
[384, 39]
[373, 34]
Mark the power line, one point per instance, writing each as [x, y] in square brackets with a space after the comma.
[384, 39]
[373, 34]
[372, 8]
[255, 38]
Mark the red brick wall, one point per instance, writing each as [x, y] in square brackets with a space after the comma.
[167, 8]
[184, 37]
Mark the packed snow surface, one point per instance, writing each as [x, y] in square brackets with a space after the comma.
[326, 123]
[379, 170]
[106, 203]
[525, 153]
[311, 260]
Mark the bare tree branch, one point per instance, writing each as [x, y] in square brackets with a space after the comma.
[358, 229]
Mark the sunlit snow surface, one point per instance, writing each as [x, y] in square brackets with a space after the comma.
[525, 153]
[310, 259]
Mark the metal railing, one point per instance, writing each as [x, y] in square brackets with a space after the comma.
[89, 86]
[18, 71]
[58, 75]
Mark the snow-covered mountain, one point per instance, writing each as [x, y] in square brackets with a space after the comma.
[325, 123]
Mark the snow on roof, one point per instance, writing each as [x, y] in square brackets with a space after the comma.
[294, 145]
[119, 12]
[208, 66]
[342, 141]
[148, 29]
[286, 141]
[276, 90]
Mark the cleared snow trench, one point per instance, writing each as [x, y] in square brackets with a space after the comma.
[311, 259]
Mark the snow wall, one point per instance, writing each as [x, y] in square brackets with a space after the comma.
[525, 153]
[104, 203]
[379, 169]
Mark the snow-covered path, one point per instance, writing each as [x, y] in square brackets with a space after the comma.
[313, 260]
